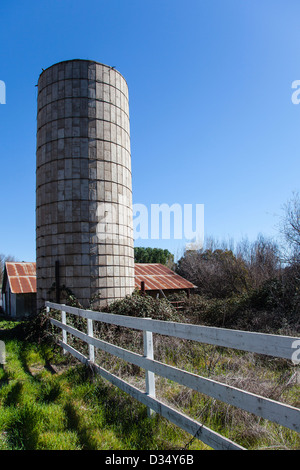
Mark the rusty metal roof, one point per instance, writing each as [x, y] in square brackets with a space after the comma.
[21, 277]
[159, 277]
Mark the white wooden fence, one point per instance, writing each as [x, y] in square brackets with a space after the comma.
[267, 344]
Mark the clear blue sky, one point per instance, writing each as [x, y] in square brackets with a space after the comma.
[212, 121]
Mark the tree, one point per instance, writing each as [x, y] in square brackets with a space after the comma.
[220, 270]
[262, 259]
[153, 255]
[217, 273]
[3, 260]
[290, 228]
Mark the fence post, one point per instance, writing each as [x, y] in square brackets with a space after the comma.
[64, 333]
[150, 379]
[2, 353]
[91, 333]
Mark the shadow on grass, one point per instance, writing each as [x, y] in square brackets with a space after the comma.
[22, 428]
[14, 395]
[126, 416]
[75, 423]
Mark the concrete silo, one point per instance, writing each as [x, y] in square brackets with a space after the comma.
[84, 229]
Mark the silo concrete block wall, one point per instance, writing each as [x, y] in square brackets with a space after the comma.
[83, 183]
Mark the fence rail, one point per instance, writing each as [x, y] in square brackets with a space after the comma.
[273, 345]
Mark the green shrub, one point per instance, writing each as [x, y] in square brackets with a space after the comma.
[138, 305]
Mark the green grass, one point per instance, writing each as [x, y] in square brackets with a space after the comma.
[69, 409]
[49, 401]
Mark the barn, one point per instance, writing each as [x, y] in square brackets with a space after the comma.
[19, 289]
[158, 280]
[19, 285]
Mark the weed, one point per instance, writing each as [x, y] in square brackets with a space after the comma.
[49, 401]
